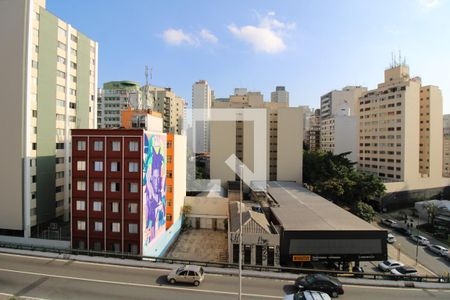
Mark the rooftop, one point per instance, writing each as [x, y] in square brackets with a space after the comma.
[300, 209]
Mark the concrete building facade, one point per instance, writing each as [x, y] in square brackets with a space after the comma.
[280, 95]
[284, 140]
[396, 124]
[115, 97]
[48, 87]
[202, 97]
[171, 106]
[312, 139]
[446, 147]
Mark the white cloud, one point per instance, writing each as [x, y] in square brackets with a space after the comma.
[430, 3]
[208, 36]
[267, 36]
[177, 37]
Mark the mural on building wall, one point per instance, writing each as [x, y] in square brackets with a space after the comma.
[154, 185]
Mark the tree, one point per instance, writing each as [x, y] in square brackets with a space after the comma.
[432, 211]
[364, 211]
[335, 178]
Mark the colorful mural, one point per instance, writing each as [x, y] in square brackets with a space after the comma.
[154, 185]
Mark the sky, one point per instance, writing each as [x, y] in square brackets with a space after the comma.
[311, 47]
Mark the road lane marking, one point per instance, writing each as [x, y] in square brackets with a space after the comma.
[395, 288]
[22, 297]
[138, 284]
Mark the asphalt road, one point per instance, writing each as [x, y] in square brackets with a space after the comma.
[44, 278]
[434, 263]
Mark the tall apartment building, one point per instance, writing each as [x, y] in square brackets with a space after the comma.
[335, 101]
[202, 96]
[446, 147]
[312, 139]
[280, 95]
[115, 97]
[171, 106]
[400, 128]
[339, 121]
[129, 186]
[47, 86]
[284, 139]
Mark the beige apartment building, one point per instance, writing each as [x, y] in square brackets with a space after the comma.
[400, 135]
[339, 122]
[48, 87]
[284, 139]
[171, 107]
[446, 145]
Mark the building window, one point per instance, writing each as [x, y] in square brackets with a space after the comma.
[115, 227]
[81, 146]
[81, 165]
[98, 146]
[34, 64]
[98, 166]
[59, 175]
[81, 185]
[60, 146]
[97, 206]
[133, 167]
[61, 74]
[98, 226]
[34, 113]
[33, 146]
[132, 228]
[73, 65]
[169, 159]
[61, 59]
[133, 187]
[72, 105]
[98, 186]
[81, 225]
[132, 208]
[133, 146]
[62, 32]
[115, 187]
[74, 38]
[115, 207]
[169, 174]
[133, 248]
[115, 146]
[81, 205]
[115, 166]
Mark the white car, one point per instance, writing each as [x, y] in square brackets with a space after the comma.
[389, 222]
[404, 271]
[439, 250]
[308, 295]
[421, 240]
[389, 264]
[391, 238]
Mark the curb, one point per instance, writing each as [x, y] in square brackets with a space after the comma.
[220, 271]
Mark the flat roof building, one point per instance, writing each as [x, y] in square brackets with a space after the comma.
[314, 229]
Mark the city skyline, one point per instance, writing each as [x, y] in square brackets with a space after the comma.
[262, 45]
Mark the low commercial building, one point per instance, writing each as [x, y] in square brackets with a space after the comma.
[314, 229]
[207, 211]
[260, 238]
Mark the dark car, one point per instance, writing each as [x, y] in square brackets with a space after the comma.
[320, 282]
[403, 231]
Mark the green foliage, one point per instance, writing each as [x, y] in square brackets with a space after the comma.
[335, 178]
[364, 211]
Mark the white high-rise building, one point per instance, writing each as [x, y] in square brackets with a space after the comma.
[201, 99]
[280, 95]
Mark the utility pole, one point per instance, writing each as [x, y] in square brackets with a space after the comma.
[241, 167]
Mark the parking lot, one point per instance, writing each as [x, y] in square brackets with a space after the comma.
[201, 245]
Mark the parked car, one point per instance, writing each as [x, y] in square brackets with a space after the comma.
[421, 240]
[358, 269]
[389, 222]
[389, 265]
[405, 271]
[320, 282]
[188, 273]
[439, 250]
[403, 230]
[391, 238]
[307, 295]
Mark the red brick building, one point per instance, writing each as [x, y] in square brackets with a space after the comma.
[107, 196]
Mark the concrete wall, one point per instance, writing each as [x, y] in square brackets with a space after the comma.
[223, 144]
[290, 144]
[346, 136]
[13, 40]
[213, 206]
[179, 187]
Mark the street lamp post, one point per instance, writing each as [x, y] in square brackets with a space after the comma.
[417, 243]
[240, 229]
